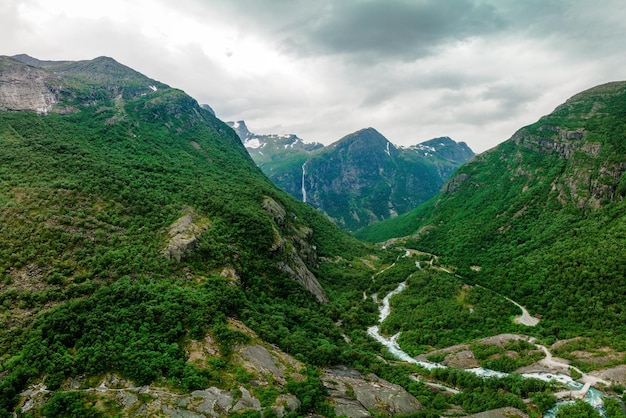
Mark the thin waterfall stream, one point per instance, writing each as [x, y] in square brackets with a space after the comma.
[303, 185]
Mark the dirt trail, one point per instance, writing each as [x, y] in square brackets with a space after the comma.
[558, 364]
[525, 318]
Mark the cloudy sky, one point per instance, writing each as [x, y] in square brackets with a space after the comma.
[474, 70]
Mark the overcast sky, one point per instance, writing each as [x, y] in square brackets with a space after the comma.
[413, 69]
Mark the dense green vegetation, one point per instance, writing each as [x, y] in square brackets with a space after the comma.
[578, 409]
[70, 404]
[437, 310]
[87, 289]
[86, 199]
[542, 215]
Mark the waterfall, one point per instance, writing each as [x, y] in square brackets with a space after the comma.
[303, 187]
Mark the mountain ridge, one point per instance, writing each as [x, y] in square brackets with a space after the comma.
[148, 267]
[360, 179]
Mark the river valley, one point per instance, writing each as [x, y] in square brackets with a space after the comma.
[547, 369]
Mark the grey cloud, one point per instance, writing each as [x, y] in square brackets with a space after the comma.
[510, 96]
[13, 30]
[580, 27]
[473, 69]
[398, 29]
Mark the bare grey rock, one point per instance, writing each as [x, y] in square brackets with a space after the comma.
[298, 270]
[25, 88]
[261, 360]
[275, 210]
[126, 399]
[216, 402]
[350, 408]
[247, 401]
[183, 235]
[293, 244]
[454, 183]
[34, 396]
[286, 403]
[354, 394]
[462, 360]
[179, 413]
[507, 412]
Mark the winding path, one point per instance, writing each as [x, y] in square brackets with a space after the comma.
[525, 318]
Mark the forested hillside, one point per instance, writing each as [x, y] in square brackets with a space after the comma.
[149, 268]
[541, 218]
[132, 220]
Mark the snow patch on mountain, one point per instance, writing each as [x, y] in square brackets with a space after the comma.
[253, 143]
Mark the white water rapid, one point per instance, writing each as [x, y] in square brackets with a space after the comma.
[391, 343]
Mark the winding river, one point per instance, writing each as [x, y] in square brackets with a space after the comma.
[593, 396]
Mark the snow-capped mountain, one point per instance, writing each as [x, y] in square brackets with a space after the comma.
[360, 179]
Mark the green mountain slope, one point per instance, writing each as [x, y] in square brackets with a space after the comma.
[541, 218]
[363, 178]
[133, 221]
[149, 268]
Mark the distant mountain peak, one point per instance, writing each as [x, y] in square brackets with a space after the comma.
[445, 147]
[241, 129]
[361, 178]
[367, 139]
[270, 144]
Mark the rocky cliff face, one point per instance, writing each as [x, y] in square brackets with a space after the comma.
[26, 88]
[355, 395]
[293, 249]
[183, 235]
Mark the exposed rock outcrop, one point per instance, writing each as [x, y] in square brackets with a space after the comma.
[507, 412]
[454, 183]
[259, 359]
[355, 395]
[25, 88]
[351, 393]
[183, 235]
[292, 245]
[247, 401]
